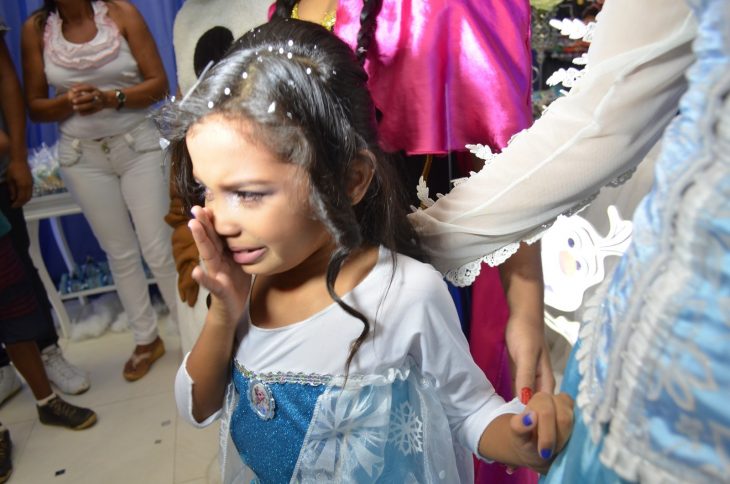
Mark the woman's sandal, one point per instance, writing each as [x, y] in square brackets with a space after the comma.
[139, 364]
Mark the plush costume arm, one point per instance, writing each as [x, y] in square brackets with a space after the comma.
[183, 248]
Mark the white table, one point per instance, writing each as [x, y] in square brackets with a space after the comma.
[51, 207]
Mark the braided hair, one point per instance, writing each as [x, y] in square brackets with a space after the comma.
[368, 23]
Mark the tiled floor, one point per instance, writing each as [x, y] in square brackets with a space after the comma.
[138, 438]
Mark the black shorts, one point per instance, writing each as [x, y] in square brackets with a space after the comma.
[18, 302]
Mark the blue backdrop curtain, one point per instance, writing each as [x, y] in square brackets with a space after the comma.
[159, 15]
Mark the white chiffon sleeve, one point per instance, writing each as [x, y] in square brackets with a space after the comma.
[591, 137]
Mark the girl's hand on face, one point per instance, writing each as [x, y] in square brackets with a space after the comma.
[542, 430]
[218, 272]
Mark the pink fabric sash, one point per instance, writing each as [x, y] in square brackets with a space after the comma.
[446, 73]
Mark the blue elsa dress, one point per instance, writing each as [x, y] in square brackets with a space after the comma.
[651, 372]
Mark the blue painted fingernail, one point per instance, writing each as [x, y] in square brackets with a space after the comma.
[527, 420]
[546, 453]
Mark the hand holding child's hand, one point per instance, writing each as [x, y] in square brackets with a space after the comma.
[543, 429]
[226, 281]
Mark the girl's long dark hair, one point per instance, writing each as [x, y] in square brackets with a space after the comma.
[304, 93]
[368, 23]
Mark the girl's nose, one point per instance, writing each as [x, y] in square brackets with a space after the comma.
[225, 216]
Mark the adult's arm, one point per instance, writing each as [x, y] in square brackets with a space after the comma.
[522, 280]
[599, 131]
[41, 107]
[144, 50]
[18, 174]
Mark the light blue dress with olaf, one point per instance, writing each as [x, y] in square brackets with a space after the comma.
[651, 371]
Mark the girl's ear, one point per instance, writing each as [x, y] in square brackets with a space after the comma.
[360, 175]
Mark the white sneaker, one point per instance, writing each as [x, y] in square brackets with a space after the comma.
[62, 374]
[9, 383]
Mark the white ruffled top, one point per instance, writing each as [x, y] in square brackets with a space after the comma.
[106, 61]
[97, 52]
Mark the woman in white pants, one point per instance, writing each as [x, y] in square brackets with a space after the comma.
[104, 66]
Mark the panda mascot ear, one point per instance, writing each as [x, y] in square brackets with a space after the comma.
[204, 29]
[211, 46]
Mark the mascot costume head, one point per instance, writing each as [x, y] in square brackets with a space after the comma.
[204, 29]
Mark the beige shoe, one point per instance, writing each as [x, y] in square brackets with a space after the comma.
[139, 364]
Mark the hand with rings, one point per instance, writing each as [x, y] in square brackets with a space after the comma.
[86, 99]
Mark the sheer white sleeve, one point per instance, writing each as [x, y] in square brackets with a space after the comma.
[593, 136]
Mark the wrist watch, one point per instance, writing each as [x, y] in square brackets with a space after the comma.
[121, 98]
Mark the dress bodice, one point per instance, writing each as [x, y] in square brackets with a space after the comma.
[268, 433]
[318, 428]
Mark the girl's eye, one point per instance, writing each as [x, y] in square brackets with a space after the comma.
[244, 198]
[250, 197]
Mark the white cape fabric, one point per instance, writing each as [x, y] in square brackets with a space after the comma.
[381, 428]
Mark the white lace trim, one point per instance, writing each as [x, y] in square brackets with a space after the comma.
[467, 273]
[588, 337]
[631, 467]
[574, 29]
[311, 379]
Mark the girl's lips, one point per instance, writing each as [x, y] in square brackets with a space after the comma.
[247, 256]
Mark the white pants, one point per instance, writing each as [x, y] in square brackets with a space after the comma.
[110, 179]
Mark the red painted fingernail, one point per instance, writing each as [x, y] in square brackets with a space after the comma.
[525, 395]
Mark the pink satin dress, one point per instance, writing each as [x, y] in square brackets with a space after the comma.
[446, 73]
